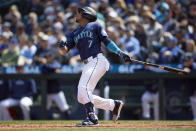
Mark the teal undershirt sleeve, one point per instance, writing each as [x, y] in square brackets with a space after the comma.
[113, 47]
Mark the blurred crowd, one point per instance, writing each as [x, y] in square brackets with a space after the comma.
[157, 31]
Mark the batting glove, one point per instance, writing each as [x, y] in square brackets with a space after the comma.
[61, 44]
[125, 57]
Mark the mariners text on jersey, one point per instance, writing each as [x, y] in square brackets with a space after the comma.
[83, 34]
[88, 39]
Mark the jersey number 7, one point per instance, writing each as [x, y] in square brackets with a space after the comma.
[90, 43]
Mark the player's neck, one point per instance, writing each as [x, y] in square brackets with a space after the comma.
[84, 22]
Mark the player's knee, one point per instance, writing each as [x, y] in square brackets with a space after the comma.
[80, 100]
[2, 105]
[193, 99]
[81, 92]
[143, 98]
[24, 106]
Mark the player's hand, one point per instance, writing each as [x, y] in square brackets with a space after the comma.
[61, 44]
[125, 57]
[63, 48]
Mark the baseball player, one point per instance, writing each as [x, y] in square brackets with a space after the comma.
[190, 66]
[151, 95]
[4, 94]
[54, 91]
[21, 93]
[87, 38]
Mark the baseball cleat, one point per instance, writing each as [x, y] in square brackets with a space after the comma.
[117, 109]
[87, 123]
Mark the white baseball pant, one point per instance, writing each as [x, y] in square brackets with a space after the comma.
[24, 103]
[148, 98]
[193, 106]
[91, 74]
[4, 114]
[59, 99]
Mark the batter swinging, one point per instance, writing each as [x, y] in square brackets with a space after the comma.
[87, 38]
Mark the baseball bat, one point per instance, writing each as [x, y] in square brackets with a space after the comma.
[170, 69]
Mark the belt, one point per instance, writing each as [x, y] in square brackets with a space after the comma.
[90, 58]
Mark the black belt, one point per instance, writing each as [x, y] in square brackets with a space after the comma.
[86, 60]
[94, 55]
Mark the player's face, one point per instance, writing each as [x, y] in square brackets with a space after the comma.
[78, 16]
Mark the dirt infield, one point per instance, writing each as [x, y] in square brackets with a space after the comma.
[102, 125]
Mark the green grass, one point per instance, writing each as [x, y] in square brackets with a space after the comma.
[56, 128]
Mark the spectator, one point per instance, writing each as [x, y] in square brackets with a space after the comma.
[151, 95]
[5, 39]
[191, 13]
[153, 29]
[7, 28]
[32, 24]
[151, 4]
[192, 35]
[56, 30]
[27, 52]
[142, 37]
[191, 48]
[42, 49]
[37, 7]
[21, 94]
[57, 5]
[170, 23]
[20, 30]
[54, 91]
[180, 35]
[138, 6]
[10, 56]
[15, 20]
[162, 11]
[12, 10]
[103, 6]
[82, 3]
[49, 11]
[171, 53]
[120, 7]
[132, 22]
[46, 25]
[61, 18]
[132, 45]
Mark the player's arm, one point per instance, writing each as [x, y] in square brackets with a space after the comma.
[111, 45]
[115, 49]
[62, 47]
[65, 46]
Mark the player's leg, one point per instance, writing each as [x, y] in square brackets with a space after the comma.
[91, 74]
[109, 104]
[86, 86]
[4, 105]
[25, 104]
[193, 106]
[102, 103]
[156, 105]
[146, 99]
[60, 100]
[49, 101]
